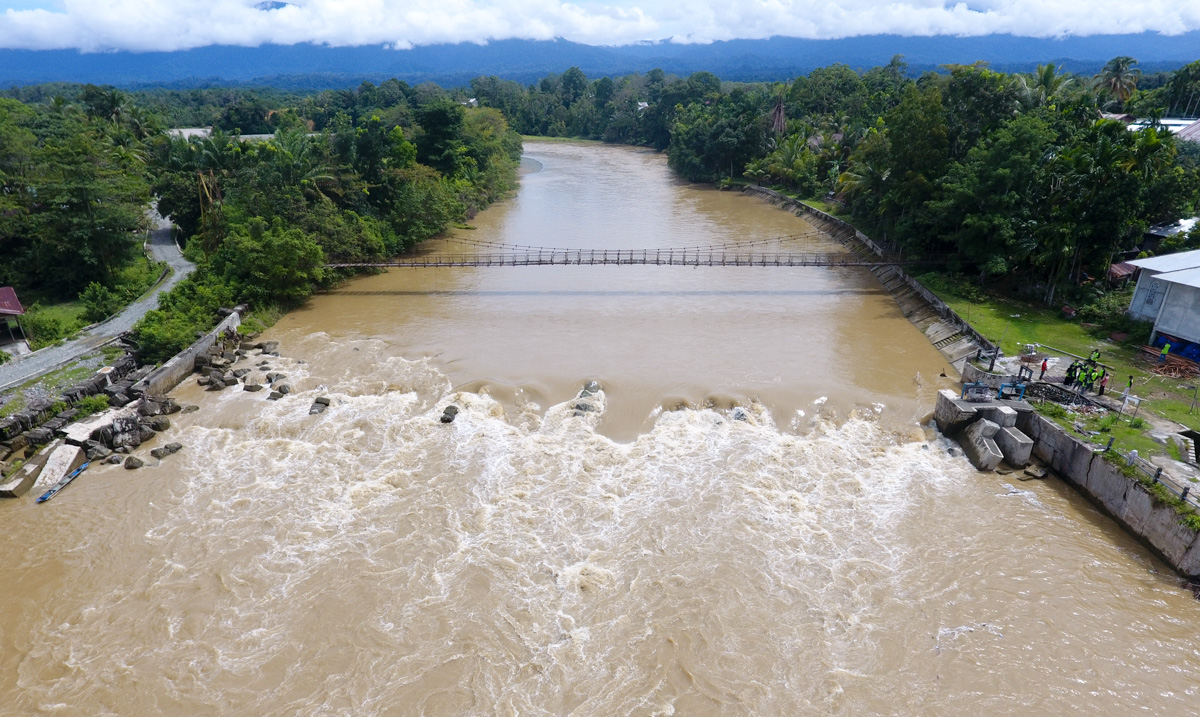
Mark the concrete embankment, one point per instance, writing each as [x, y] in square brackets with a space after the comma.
[1086, 467]
[166, 377]
[945, 329]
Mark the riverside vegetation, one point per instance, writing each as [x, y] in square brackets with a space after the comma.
[1015, 179]
[258, 218]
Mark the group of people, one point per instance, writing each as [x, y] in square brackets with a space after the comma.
[1087, 375]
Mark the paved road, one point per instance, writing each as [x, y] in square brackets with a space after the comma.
[30, 366]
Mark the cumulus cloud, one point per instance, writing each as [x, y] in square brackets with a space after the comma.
[143, 25]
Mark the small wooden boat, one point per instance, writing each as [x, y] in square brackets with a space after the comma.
[62, 483]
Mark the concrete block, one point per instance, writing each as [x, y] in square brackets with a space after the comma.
[20, 482]
[80, 432]
[950, 414]
[62, 461]
[979, 447]
[1002, 416]
[1015, 445]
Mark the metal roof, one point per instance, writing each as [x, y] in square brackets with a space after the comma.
[1121, 270]
[1179, 227]
[1170, 262]
[9, 306]
[1191, 132]
[1187, 277]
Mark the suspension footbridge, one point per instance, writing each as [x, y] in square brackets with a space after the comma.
[776, 251]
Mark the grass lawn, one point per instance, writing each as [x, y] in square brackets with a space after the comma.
[1126, 436]
[994, 318]
[139, 276]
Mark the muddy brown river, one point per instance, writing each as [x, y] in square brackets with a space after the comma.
[747, 520]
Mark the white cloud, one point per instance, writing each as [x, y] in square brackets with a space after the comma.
[99, 25]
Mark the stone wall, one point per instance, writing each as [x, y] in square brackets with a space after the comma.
[172, 373]
[1123, 498]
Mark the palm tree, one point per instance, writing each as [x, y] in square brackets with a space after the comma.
[1119, 77]
[1045, 85]
[778, 115]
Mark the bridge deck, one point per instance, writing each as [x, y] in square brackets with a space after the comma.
[653, 257]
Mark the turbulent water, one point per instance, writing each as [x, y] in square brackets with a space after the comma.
[641, 551]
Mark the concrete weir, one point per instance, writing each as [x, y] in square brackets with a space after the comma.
[1014, 431]
[988, 432]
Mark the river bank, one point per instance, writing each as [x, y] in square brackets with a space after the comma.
[665, 551]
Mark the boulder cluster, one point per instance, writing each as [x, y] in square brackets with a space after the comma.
[217, 370]
[43, 418]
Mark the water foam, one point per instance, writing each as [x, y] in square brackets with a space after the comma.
[528, 564]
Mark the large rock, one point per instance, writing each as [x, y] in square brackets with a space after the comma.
[133, 462]
[979, 446]
[1014, 445]
[950, 414]
[167, 450]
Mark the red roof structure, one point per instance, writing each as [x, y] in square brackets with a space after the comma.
[9, 305]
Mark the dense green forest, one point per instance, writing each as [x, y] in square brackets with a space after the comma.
[1017, 178]
[1012, 176]
[260, 218]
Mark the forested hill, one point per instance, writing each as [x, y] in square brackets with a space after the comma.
[307, 66]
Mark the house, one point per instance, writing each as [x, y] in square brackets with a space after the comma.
[1168, 293]
[11, 307]
[1190, 133]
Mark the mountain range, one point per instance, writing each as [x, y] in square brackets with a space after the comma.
[777, 58]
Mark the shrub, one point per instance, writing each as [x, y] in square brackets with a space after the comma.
[43, 329]
[1052, 410]
[5, 357]
[1137, 423]
[99, 303]
[953, 285]
[92, 404]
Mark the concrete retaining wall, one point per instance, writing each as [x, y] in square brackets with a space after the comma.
[844, 230]
[166, 377]
[1126, 500]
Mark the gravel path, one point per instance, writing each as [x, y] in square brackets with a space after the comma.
[161, 248]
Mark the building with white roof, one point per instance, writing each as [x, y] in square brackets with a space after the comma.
[1168, 293]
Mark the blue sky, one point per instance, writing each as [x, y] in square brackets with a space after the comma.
[102, 25]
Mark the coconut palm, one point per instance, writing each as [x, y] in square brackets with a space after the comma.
[1046, 84]
[1119, 77]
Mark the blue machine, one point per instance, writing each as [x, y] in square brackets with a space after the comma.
[1011, 390]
